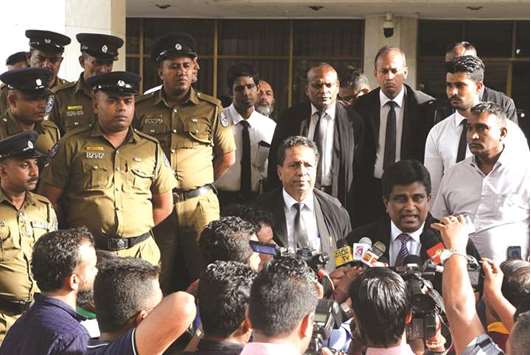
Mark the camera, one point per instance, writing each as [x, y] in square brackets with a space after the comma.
[388, 26]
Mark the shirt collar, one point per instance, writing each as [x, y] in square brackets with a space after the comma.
[40, 298]
[27, 199]
[237, 118]
[401, 349]
[399, 99]
[132, 135]
[290, 201]
[395, 232]
[82, 86]
[458, 118]
[330, 110]
[161, 97]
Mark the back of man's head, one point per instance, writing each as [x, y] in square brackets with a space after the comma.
[281, 296]
[56, 255]
[227, 239]
[515, 285]
[381, 306]
[519, 338]
[224, 291]
[123, 288]
[405, 172]
[459, 49]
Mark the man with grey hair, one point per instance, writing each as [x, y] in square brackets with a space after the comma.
[304, 217]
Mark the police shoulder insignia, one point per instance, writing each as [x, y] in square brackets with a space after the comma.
[224, 119]
[53, 150]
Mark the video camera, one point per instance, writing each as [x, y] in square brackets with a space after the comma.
[327, 313]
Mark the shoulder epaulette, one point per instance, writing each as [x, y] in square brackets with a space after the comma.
[145, 135]
[208, 98]
[77, 130]
[66, 86]
[145, 97]
[41, 198]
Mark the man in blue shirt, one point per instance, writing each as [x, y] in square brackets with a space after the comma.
[64, 265]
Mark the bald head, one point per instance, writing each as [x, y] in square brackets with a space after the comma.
[323, 86]
[460, 49]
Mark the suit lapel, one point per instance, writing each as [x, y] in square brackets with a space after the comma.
[305, 123]
[280, 217]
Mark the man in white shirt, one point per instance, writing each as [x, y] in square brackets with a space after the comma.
[446, 143]
[252, 133]
[492, 187]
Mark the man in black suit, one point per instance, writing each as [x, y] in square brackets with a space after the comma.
[397, 120]
[337, 135]
[406, 229]
[463, 48]
[304, 216]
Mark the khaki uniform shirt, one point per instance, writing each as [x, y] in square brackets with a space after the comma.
[73, 106]
[19, 230]
[48, 132]
[190, 134]
[4, 107]
[109, 189]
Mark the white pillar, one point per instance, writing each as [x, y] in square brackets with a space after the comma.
[405, 37]
[68, 17]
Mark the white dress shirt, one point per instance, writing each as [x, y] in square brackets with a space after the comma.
[413, 245]
[384, 111]
[443, 140]
[261, 129]
[326, 128]
[497, 203]
[308, 218]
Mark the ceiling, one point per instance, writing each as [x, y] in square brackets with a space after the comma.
[435, 9]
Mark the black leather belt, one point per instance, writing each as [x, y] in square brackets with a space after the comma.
[181, 195]
[115, 244]
[13, 306]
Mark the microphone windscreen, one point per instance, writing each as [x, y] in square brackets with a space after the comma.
[413, 259]
[365, 240]
[380, 247]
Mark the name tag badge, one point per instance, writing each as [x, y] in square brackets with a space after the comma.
[95, 155]
[154, 121]
[39, 224]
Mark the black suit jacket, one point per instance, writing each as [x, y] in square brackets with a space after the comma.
[419, 113]
[295, 121]
[381, 231]
[333, 220]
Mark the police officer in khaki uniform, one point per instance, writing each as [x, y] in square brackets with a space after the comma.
[111, 178]
[24, 217]
[46, 51]
[27, 98]
[200, 146]
[73, 103]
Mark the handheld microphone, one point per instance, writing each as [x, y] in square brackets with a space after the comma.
[359, 248]
[343, 254]
[373, 254]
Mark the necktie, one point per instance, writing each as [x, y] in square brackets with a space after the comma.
[403, 252]
[461, 148]
[318, 139]
[245, 181]
[299, 230]
[390, 136]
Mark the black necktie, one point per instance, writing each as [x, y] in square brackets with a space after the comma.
[461, 148]
[318, 139]
[245, 180]
[390, 136]
[299, 230]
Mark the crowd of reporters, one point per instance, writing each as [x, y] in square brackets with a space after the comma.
[283, 271]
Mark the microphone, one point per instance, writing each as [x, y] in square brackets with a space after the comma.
[373, 254]
[343, 254]
[359, 248]
[434, 247]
